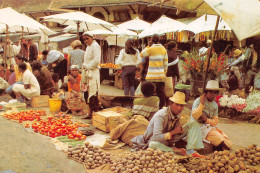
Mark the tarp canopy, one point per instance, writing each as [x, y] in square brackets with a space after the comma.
[61, 41]
[206, 23]
[123, 32]
[242, 16]
[163, 25]
[83, 19]
[136, 25]
[19, 22]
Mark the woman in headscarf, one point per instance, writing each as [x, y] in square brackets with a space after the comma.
[44, 78]
[74, 98]
[57, 62]
[129, 58]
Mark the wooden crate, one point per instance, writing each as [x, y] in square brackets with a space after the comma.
[118, 109]
[119, 82]
[40, 101]
[106, 120]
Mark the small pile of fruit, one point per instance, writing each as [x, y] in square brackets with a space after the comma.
[88, 154]
[28, 115]
[57, 126]
[109, 65]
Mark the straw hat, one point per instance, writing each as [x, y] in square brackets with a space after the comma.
[237, 52]
[179, 98]
[75, 43]
[212, 85]
[208, 41]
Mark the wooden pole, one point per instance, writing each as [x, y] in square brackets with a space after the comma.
[5, 52]
[210, 54]
[22, 31]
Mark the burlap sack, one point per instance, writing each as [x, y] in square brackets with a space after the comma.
[130, 129]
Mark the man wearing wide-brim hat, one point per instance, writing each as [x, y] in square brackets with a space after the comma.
[164, 129]
[205, 113]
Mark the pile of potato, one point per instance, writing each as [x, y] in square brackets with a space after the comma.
[90, 155]
[245, 160]
[148, 161]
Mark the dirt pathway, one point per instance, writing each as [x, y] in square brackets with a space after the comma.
[25, 152]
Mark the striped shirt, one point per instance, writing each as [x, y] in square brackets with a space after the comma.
[146, 106]
[158, 62]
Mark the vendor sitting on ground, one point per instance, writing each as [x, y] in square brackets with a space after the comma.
[44, 78]
[164, 130]
[205, 114]
[30, 87]
[74, 98]
[16, 77]
[149, 104]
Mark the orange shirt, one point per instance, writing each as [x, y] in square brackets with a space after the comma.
[76, 85]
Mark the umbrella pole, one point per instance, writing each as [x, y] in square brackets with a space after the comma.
[210, 54]
[78, 30]
[22, 31]
[115, 48]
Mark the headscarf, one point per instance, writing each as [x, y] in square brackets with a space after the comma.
[53, 56]
[74, 66]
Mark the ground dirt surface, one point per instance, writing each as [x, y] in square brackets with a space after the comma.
[25, 152]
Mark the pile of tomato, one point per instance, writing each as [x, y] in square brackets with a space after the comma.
[28, 115]
[57, 126]
[54, 126]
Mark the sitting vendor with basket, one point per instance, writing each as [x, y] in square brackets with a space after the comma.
[74, 98]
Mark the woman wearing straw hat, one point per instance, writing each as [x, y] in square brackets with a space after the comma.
[165, 129]
[205, 113]
[76, 56]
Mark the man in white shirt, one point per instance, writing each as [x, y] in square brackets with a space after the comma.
[92, 59]
[30, 87]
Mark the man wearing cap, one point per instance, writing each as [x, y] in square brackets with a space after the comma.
[92, 59]
[205, 113]
[203, 51]
[165, 129]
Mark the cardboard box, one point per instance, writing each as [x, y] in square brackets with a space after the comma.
[40, 101]
[107, 119]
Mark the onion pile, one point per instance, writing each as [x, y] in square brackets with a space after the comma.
[90, 155]
[253, 101]
[226, 101]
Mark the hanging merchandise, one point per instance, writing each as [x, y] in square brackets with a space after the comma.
[208, 35]
[185, 36]
[228, 36]
[197, 38]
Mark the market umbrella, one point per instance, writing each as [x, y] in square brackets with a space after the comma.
[242, 16]
[17, 22]
[207, 23]
[161, 26]
[136, 25]
[80, 20]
